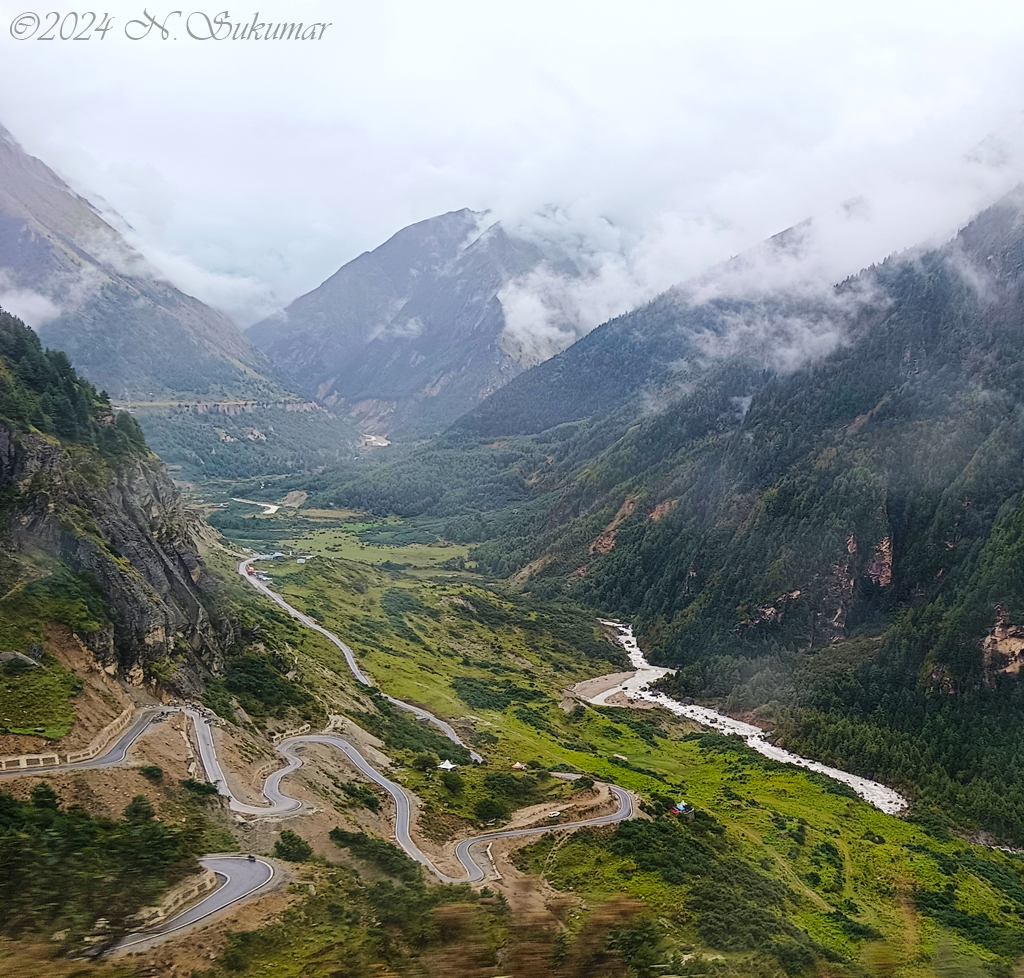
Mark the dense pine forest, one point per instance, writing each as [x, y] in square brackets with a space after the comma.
[40, 389]
[837, 546]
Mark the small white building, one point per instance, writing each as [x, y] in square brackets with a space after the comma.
[446, 766]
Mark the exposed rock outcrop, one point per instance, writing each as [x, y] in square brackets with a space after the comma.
[880, 568]
[127, 526]
[771, 614]
[605, 543]
[662, 509]
[1003, 647]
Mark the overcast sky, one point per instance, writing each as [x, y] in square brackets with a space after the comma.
[663, 137]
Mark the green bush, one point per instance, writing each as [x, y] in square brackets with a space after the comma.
[260, 687]
[362, 794]
[492, 694]
[490, 810]
[204, 789]
[384, 855]
[292, 848]
[516, 787]
[452, 781]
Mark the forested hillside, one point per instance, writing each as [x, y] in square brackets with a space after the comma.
[40, 389]
[837, 545]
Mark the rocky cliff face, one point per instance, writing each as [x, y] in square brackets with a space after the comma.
[127, 526]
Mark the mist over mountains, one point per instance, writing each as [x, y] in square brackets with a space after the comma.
[405, 339]
[87, 291]
[410, 335]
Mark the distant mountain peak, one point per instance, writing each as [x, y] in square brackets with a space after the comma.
[410, 335]
[123, 325]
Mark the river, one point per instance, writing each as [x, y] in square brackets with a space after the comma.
[638, 687]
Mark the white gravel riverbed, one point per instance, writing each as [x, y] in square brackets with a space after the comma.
[637, 687]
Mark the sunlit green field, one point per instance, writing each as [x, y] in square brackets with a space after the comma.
[422, 641]
[339, 533]
[343, 542]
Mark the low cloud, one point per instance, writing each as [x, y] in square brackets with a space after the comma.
[242, 297]
[127, 253]
[32, 308]
[547, 310]
[779, 341]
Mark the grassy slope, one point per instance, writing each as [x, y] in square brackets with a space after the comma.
[416, 654]
[36, 590]
[340, 533]
[38, 701]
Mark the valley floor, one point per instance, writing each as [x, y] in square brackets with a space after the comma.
[771, 869]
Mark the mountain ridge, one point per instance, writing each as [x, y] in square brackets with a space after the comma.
[407, 337]
[98, 299]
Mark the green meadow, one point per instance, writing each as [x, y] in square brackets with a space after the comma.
[854, 889]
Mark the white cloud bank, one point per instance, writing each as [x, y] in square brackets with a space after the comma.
[655, 139]
[32, 308]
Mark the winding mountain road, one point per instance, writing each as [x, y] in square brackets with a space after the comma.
[361, 677]
[475, 872]
[244, 875]
[239, 876]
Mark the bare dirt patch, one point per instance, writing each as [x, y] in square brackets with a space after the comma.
[246, 760]
[167, 745]
[622, 700]
[100, 701]
[532, 895]
[662, 509]
[534, 567]
[34, 959]
[590, 688]
[605, 543]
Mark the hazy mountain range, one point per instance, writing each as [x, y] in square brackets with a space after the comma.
[81, 285]
[409, 336]
[403, 339]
